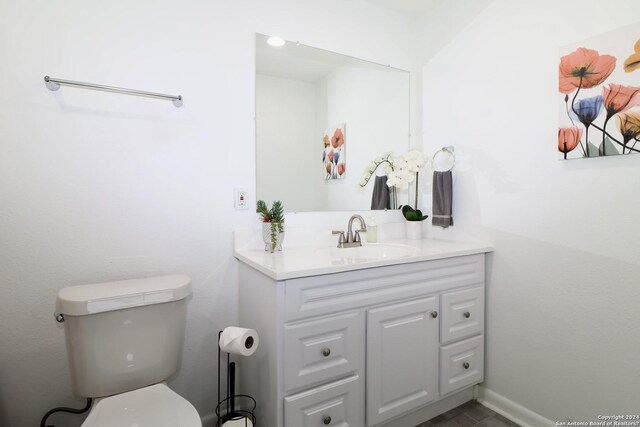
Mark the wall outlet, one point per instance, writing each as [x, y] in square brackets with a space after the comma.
[240, 199]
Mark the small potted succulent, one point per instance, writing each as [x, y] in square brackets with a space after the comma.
[272, 224]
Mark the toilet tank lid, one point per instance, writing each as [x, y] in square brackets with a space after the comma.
[100, 297]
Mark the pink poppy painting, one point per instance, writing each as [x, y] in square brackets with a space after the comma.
[333, 154]
[599, 79]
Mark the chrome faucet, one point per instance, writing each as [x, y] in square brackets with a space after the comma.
[352, 240]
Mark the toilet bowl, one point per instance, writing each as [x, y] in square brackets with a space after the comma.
[124, 339]
[153, 406]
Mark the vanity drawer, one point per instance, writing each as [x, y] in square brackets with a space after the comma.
[337, 404]
[462, 314]
[461, 364]
[322, 349]
[332, 293]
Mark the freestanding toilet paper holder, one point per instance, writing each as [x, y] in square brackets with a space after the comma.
[233, 416]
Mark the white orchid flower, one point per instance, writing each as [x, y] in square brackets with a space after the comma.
[392, 180]
[409, 177]
[401, 169]
[403, 185]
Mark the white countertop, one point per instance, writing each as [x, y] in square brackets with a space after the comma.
[306, 261]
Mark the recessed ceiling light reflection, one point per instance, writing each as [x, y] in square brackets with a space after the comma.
[275, 41]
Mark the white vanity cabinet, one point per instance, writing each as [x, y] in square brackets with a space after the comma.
[384, 346]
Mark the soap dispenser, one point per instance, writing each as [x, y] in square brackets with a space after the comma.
[372, 230]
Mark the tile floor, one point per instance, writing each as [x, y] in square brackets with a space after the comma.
[467, 415]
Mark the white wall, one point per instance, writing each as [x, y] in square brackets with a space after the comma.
[288, 147]
[562, 297]
[97, 186]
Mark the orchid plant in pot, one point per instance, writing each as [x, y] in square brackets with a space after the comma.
[401, 170]
[272, 224]
[406, 170]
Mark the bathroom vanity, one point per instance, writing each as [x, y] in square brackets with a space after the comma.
[383, 335]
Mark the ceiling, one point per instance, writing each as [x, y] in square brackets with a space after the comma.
[409, 8]
[299, 62]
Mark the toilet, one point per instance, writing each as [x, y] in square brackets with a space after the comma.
[124, 339]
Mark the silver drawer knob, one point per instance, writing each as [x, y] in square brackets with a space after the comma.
[326, 352]
[467, 314]
[465, 365]
[326, 420]
[434, 314]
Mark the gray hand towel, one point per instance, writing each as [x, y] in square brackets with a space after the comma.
[442, 199]
[380, 199]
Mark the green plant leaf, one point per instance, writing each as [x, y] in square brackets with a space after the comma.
[411, 214]
[263, 211]
[274, 237]
[277, 211]
[275, 214]
[420, 216]
[407, 211]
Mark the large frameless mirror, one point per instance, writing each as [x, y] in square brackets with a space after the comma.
[321, 119]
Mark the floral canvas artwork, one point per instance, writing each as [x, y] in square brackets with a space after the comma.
[333, 154]
[599, 84]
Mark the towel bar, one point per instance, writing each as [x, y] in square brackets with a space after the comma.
[54, 84]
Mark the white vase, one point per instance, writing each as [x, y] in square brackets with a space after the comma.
[272, 237]
[414, 230]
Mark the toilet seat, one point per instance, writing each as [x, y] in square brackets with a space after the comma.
[152, 406]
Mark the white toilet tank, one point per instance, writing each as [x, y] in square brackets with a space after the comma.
[123, 335]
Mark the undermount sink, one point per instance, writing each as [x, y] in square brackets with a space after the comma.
[374, 251]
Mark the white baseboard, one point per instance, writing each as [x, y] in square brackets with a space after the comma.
[511, 410]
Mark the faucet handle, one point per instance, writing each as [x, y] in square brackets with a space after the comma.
[363, 228]
[341, 240]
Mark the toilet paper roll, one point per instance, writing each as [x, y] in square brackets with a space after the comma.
[240, 341]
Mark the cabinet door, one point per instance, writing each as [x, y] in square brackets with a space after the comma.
[402, 358]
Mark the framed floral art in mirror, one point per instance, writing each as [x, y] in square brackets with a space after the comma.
[333, 155]
[599, 84]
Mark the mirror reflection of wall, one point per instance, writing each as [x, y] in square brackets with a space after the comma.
[303, 94]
